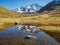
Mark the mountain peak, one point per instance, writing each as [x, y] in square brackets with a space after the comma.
[28, 8]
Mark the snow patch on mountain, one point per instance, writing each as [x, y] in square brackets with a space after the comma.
[28, 8]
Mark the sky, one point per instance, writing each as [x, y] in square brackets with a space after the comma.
[12, 4]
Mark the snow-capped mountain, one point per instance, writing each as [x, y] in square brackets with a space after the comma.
[37, 8]
[28, 8]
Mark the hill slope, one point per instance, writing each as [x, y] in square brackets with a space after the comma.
[4, 13]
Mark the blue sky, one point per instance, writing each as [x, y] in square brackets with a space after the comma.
[12, 4]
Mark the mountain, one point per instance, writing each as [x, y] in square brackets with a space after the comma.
[53, 6]
[7, 13]
[28, 8]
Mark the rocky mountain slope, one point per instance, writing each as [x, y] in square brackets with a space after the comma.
[52, 7]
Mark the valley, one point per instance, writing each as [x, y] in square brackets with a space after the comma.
[46, 19]
[45, 22]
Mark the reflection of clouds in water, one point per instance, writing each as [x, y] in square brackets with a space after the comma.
[41, 37]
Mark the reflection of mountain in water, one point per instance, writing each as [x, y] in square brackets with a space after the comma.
[32, 37]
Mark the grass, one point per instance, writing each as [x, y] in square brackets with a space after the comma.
[6, 25]
[54, 34]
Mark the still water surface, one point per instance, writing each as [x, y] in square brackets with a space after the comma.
[17, 37]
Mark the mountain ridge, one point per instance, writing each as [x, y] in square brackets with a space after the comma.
[53, 5]
[28, 8]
